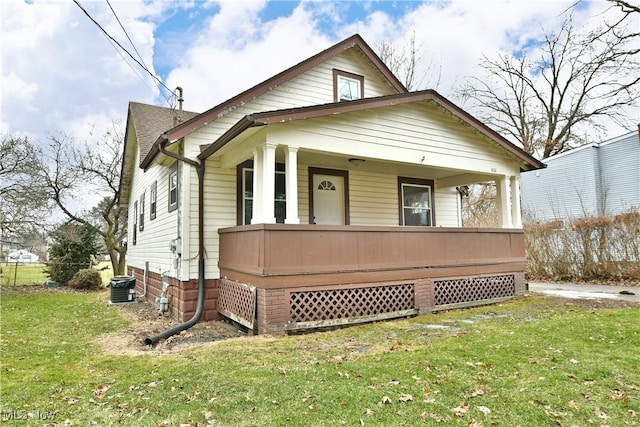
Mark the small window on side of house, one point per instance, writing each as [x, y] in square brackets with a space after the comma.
[142, 199]
[173, 189]
[347, 86]
[153, 200]
[135, 223]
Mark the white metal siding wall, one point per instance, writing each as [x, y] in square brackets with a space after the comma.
[407, 134]
[373, 198]
[565, 189]
[447, 207]
[153, 242]
[620, 173]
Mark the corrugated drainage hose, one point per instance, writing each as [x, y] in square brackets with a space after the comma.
[200, 304]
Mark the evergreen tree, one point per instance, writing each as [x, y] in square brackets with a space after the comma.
[72, 250]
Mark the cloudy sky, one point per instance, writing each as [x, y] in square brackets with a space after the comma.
[59, 72]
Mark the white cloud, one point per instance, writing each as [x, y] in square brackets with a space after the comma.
[60, 73]
[217, 66]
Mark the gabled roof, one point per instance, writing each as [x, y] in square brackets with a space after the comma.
[150, 121]
[301, 113]
[175, 133]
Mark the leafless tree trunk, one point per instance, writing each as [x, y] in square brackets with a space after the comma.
[550, 95]
[68, 172]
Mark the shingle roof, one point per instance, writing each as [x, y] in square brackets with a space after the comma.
[151, 121]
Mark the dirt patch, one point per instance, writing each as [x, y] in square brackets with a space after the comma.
[145, 321]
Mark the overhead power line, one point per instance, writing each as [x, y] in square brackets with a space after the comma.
[126, 34]
[113, 40]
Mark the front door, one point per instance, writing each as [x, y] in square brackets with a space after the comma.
[328, 199]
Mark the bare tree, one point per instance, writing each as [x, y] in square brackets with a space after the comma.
[70, 172]
[480, 208]
[408, 64]
[23, 203]
[547, 97]
[626, 6]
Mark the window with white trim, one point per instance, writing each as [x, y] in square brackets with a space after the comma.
[173, 189]
[153, 200]
[141, 224]
[347, 86]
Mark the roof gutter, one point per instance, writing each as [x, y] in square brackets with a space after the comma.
[199, 166]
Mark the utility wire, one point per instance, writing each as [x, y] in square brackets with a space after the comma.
[153, 76]
[126, 34]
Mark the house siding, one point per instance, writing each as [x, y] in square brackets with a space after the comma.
[152, 243]
[587, 181]
[620, 174]
[373, 200]
[407, 134]
[310, 88]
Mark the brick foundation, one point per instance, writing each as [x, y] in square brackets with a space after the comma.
[183, 296]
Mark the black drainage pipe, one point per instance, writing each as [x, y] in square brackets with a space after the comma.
[200, 304]
[189, 323]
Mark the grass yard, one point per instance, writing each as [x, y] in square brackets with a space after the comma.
[12, 274]
[530, 362]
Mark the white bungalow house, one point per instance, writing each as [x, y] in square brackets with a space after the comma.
[324, 195]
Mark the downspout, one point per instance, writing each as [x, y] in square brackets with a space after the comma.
[200, 304]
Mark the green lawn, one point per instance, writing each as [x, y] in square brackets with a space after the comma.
[12, 274]
[529, 362]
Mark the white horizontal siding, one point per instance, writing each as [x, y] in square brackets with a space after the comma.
[620, 174]
[152, 243]
[373, 198]
[408, 134]
[447, 207]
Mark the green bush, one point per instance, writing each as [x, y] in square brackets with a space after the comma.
[73, 247]
[86, 279]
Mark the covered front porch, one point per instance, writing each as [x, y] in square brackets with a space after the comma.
[284, 277]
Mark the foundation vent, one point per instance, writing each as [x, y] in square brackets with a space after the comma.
[237, 301]
[471, 289]
[328, 307]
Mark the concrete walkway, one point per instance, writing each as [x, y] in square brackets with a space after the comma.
[572, 290]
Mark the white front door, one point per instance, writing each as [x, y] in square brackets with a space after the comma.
[328, 199]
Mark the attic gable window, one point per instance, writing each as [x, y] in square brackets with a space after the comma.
[347, 86]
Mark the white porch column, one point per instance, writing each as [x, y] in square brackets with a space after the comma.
[516, 214]
[256, 217]
[268, 177]
[504, 208]
[291, 173]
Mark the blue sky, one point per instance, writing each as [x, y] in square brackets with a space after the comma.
[59, 73]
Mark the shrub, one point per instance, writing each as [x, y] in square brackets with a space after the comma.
[589, 248]
[86, 279]
[73, 246]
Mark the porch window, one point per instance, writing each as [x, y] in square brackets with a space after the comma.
[416, 202]
[245, 205]
[153, 200]
[173, 189]
[347, 86]
[142, 197]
